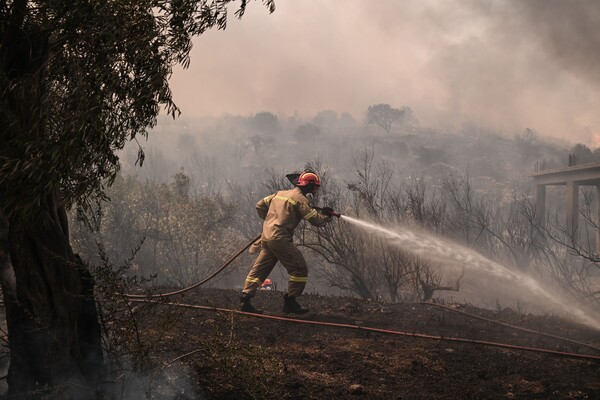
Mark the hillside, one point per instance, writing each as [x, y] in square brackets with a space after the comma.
[218, 355]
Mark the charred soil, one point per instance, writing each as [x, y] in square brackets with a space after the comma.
[219, 355]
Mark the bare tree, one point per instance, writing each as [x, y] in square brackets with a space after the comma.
[570, 259]
[428, 278]
[366, 264]
[396, 271]
[467, 215]
[348, 252]
[371, 186]
[557, 266]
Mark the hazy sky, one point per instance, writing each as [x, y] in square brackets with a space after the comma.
[503, 64]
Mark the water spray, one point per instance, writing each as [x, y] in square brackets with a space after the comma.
[430, 246]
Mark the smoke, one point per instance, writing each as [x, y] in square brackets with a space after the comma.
[505, 65]
[568, 32]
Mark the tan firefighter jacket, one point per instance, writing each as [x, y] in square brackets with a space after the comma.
[283, 211]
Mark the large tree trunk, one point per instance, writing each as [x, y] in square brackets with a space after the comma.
[52, 318]
[53, 330]
[7, 281]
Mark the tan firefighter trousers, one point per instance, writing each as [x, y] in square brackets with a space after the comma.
[290, 257]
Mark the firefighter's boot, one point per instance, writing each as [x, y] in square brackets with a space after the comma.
[291, 306]
[246, 305]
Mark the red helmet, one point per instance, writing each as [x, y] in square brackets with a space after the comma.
[308, 177]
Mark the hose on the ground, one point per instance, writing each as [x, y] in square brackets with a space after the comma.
[518, 328]
[378, 330]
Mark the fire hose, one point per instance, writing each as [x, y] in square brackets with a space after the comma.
[202, 282]
[518, 328]
[331, 212]
[379, 330]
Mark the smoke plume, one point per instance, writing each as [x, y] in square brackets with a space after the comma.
[505, 65]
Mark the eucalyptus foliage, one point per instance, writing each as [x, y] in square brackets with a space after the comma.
[79, 79]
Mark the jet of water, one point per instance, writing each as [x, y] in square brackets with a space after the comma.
[429, 246]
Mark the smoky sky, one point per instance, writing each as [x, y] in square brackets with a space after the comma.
[497, 64]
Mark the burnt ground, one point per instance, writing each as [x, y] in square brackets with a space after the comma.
[215, 355]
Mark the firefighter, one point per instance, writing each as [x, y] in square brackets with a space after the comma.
[282, 212]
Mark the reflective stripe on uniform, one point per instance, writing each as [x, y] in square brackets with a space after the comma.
[294, 202]
[310, 215]
[267, 199]
[301, 279]
[255, 280]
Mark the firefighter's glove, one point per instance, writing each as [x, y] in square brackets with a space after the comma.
[255, 248]
[328, 211]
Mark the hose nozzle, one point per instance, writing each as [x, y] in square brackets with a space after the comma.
[328, 211]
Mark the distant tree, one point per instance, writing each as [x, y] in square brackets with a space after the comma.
[584, 154]
[307, 131]
[346, 121]
[528, 146]
[385, 116]
[596, 153]
[78, 80]
[180, 185]
[262, 145]
[325, 118]
[265, 123]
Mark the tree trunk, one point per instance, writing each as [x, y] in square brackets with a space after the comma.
[53, 329]
[52, 321]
